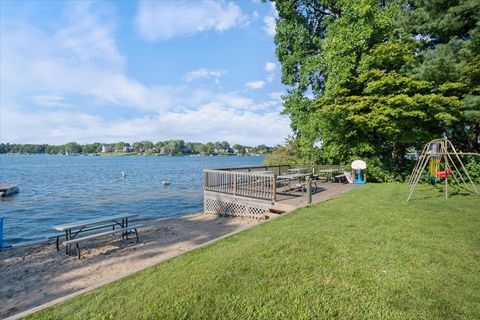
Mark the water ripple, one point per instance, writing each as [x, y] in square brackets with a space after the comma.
[59, 189]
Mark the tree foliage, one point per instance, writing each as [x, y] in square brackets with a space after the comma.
[449, 32]
[283, 154]
[168, 147]
[372, 79]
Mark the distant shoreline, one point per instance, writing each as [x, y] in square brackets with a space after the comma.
[132, 154]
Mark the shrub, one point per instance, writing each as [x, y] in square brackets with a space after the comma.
[472, 164]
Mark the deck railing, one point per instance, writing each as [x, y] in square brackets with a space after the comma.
[283, 169]
[257, 182]
[277, 169]
[254, 184]
[319, 167]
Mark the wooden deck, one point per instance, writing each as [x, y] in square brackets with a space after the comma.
[286, 202]
[256, 192]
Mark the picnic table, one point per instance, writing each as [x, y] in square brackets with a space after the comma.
[299, 170]
[329, 172]
[293, 176]
[73, 229]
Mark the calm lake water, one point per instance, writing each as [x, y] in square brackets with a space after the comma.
[60, 189]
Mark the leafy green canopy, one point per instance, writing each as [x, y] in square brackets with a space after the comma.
[449, 32]
[369, 78]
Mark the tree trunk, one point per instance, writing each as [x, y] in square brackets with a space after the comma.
[398, 155]
[473, 137]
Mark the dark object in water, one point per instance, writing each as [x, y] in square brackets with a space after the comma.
[166, 183]
[8, 190]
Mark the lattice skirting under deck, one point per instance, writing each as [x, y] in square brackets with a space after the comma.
[225, 204]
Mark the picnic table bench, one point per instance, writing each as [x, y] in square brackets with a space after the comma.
[116, 224]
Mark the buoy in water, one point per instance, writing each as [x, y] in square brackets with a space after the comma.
[166, 183]
[124, 174]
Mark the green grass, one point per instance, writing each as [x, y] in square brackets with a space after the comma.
[366, 254]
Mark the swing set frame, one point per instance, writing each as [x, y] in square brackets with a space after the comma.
[444, 151]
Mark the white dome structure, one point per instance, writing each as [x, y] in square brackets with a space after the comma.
[359, 165]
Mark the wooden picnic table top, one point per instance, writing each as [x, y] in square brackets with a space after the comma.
[329, 170]
[293, 176]
[299, 169]
[84, 223]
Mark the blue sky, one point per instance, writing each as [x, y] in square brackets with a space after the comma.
[109, 71]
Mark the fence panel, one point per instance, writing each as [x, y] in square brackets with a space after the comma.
[254, 184]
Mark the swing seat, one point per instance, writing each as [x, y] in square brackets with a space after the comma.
[443, 174]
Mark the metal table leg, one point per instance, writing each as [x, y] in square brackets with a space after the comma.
[66, 239]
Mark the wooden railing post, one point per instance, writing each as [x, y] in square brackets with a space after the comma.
[309, 190]
[274, 188]
[205, 180]
[234, 184]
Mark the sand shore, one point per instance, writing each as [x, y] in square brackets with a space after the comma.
[36, 274]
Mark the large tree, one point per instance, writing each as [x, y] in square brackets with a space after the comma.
[449, 33]
[355, 89]
[384, 111]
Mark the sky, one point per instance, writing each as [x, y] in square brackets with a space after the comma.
[128, 71]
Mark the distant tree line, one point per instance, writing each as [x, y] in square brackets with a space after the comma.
[169, 147]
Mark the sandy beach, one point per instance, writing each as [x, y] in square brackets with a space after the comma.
[36, 274]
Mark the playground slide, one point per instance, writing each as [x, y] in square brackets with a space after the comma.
[348, 176]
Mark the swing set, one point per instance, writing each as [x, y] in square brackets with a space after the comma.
[443, 161]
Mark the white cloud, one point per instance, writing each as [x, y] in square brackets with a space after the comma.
[233, 100]
[270, 66]
[89, 35]
[203, 73]
[270, 21]
[168, 19]
[54, 82]
[81, 58]
[269, 25]
[210, 122]
[51, 101]
[255, 84]
[276, 95]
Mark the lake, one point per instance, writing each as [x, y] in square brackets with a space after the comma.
[59, 189]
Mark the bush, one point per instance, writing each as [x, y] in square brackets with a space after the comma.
[287, 154]
[376, 172]
[472, 164]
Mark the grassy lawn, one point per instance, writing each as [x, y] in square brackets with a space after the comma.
[366, 254]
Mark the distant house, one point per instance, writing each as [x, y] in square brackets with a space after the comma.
[106, 148]
[127, 149]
